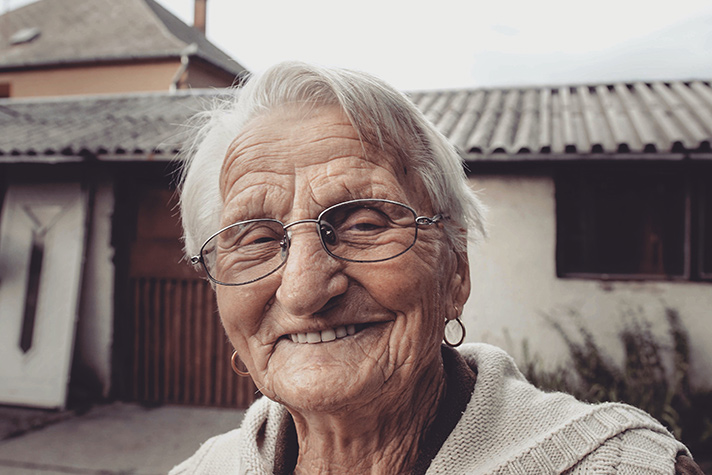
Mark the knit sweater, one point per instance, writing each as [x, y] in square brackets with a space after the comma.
[508, 427]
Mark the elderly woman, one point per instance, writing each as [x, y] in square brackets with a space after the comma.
[332, 219]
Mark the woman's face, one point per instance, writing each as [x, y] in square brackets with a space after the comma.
[291, 164]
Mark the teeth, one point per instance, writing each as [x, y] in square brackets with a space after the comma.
[326, 335]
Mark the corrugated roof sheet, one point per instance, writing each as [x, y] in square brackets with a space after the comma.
[79, 31]
[658, 117]
[637, 120]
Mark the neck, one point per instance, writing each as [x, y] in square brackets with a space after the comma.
[379, 437]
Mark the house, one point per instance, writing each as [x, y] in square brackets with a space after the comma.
[598, 198]
[72, 221]
[600, 203]
[60, 47]
[94, 178]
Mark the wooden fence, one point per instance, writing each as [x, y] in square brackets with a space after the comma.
[180, 353]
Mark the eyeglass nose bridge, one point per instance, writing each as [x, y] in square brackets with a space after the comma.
[287, 240]
[301, 221]
[319, 230]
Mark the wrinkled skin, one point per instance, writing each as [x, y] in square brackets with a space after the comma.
[359, 402]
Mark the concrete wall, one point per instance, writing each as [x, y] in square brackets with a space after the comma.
[515, 287]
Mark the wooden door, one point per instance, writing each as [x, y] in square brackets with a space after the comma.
[179, 351]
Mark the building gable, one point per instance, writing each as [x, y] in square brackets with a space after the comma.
[71, 32]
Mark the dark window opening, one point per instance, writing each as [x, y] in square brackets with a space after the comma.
[622, 223]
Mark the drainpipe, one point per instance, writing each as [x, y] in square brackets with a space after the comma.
[184, 62]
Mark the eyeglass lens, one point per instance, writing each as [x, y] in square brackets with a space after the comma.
[359, 231]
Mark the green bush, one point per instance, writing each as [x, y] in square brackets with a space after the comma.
[642, 380]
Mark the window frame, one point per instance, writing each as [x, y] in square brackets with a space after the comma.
[695, 199]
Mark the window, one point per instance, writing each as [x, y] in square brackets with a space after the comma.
[633, 223]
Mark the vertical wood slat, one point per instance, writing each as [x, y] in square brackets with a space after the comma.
[185, 330]
[146, 303]
[156, 343]
[180, 353]
[210, 353]
[177, 320]
[167, 342]
[197, 338]
[188, 346]
[133, 383]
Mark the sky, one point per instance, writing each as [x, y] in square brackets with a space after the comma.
[446, 44]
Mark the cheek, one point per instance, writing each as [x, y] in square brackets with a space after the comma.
[413, 285]
[241, 312]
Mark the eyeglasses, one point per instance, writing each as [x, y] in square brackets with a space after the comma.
[366, 230]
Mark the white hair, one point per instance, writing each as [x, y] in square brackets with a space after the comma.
[382, 116]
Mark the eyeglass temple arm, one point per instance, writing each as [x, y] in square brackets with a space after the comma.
[424, 220]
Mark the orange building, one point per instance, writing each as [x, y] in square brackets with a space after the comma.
[65, 47]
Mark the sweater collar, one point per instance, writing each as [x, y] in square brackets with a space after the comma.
[459, 385]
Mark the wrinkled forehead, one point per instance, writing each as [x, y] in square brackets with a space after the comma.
[270, 141]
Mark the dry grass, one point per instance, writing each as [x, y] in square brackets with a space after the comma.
[642, 380]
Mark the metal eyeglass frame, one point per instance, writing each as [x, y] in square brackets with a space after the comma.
[419, 221]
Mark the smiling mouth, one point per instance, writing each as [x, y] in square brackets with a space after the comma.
[327, 335]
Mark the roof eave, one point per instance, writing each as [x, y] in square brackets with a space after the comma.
[88, 61]
[579, 157]
[103, 60]
[53, 159]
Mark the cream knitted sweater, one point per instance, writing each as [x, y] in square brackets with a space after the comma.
[509, 427]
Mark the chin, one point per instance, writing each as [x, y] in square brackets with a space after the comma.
[327, 388]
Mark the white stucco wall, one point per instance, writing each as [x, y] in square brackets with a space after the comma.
[514, 285]
[95, 325]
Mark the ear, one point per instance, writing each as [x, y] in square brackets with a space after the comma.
[460, 282]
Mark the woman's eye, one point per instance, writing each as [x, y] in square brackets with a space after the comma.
[258, 237]
[365, 226]
[251, 235]
[363, 220]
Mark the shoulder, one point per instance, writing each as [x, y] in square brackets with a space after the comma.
[216, 455]
[510, 424]
[249, 449]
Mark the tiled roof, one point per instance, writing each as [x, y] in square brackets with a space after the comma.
[142, 126]
[80, 31]
[658, 120]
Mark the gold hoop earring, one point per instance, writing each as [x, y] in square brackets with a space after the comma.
[462, 333]
[233, 363]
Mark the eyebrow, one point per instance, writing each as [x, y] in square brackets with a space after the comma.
[237, 214]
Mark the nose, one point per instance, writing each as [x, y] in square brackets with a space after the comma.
[310, 277]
